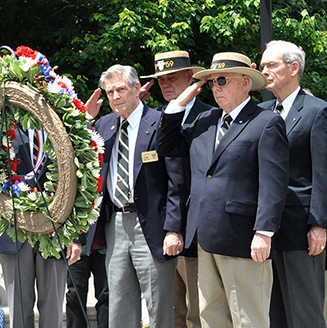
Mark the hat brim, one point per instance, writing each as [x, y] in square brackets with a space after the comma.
[194, 69]
[259, 81]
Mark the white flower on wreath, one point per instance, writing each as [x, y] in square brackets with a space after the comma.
[3, 179]
[98, 202]
[25, 63]
[33, 196]
[23, 186]
[11, 153]
[94, 168]
[99, 141]
[56, 86]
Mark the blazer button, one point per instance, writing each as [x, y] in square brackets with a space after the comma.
[208, 177]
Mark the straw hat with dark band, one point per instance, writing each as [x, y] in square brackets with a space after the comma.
[233, 62]
[171, 62]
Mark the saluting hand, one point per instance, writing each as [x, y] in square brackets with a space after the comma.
[144, 91]
[189, 93]
[94, 103]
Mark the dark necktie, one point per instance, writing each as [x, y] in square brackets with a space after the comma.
[279, 108]
[122, 192]
[224, 127]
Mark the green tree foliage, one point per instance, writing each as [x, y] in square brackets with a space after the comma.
[85, 37]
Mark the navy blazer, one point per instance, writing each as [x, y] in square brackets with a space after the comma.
[306, 205]
[241, 186]
[197, 108]
[159, 187]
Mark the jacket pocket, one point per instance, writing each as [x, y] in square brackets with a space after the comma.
[248, 209]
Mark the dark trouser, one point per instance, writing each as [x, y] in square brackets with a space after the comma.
[81, 271]
[298, 290]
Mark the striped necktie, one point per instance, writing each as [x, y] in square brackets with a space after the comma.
[279, 108]
[122, 192]
[224, 127]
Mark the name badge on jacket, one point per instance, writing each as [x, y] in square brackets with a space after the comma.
[149, 156]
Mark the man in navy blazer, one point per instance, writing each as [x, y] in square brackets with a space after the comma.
[144, 235]
[239, 172]
[299, 257]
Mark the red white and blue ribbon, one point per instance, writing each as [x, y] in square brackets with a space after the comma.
[9, 49]
[41, 138]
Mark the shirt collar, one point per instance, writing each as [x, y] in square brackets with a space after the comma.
[190, 105]
[135, 117]
[288, 102]
[238, 109]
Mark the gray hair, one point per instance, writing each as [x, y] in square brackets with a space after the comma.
[290, 53]
[119, 71]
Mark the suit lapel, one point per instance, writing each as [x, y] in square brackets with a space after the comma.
[195, 110]
[146, 133]
[109, 136]
[236, 128]
[294, 115]
[211, 134]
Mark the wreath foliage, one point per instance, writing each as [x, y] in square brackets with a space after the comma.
[31, 68]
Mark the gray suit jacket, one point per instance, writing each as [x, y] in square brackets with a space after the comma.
[306, 204]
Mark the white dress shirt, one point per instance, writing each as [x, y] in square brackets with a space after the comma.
[287, 103]
[133, 127]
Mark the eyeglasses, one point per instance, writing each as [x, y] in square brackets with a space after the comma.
[221, 81]
[273, 65]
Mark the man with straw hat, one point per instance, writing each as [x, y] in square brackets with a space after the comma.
[239, 170]
[174, 73]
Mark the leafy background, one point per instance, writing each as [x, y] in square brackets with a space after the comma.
[86, 37]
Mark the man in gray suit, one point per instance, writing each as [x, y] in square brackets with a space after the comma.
[299, 257]
[141, 215]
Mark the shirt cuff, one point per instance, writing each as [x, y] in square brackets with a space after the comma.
[172, 108]
[265, 233]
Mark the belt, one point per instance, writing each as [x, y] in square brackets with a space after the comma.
[126, 209]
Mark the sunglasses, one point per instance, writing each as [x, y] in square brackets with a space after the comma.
[221, 81]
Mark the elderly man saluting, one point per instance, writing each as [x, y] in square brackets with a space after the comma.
[239, 171]
[141, 214]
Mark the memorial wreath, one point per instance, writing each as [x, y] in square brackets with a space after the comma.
[36, 98]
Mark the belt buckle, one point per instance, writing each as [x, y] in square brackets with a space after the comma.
[123, 209]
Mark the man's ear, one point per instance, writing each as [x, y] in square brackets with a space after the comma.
[295, 68]
[189, 75]
[137, 88]
[246, 81]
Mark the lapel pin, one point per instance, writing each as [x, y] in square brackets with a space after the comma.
[240, 121]
[112, 127]
[147, 132]
[294, 118]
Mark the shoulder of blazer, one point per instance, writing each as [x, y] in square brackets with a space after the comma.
[248, 112]
[111, 117]
[201, 105]
[268, 104]
[150, 116]
[305, 100]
